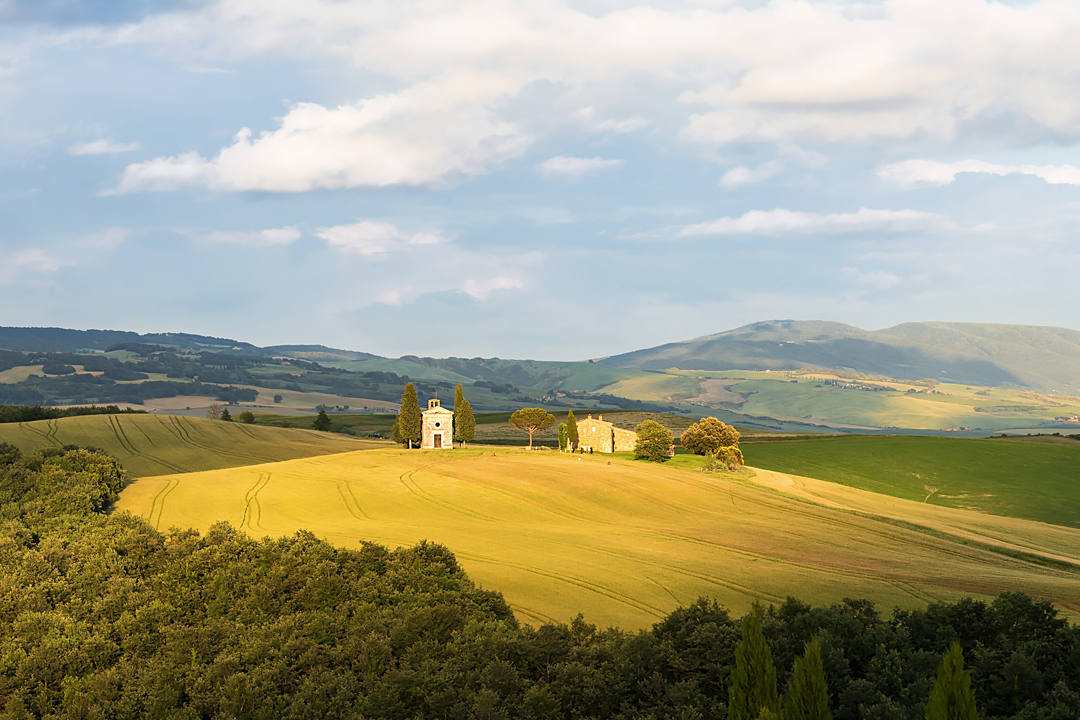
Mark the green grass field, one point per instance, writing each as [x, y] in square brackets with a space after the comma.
[625, 541]
[157, 444]
[1037, 481]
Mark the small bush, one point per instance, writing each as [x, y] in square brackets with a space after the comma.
[725, 458]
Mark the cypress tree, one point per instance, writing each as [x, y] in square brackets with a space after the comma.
[464, 420]
[571, 430]
[807, 696]
[951, 698]
[409, 416]
[322, 421]
[395, 433]
[753, 683]
[226, 415]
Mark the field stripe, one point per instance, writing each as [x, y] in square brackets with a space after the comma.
[346, 493]
[413, 487]
[158, 502]
[39, 434]
[252, 508]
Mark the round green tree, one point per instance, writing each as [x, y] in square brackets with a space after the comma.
[653, 441]
[532, 420]
[707, 435]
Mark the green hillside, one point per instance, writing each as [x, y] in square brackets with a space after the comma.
[1043, 358]
[157, 444]
[1027, 480]
[626, 542]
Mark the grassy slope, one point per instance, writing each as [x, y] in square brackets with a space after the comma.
[155, 444]
[622, 541]
[1027, 480]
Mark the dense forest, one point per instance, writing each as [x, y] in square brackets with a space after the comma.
[102, 616]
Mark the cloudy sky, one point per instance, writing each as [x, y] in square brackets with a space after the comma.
[535, 179]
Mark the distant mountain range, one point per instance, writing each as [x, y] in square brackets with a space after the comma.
[1026, 356]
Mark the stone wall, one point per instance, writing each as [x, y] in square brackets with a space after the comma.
[602, 436]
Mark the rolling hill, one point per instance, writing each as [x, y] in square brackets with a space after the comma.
[156, 444]
[1042, 358]
[626, 542]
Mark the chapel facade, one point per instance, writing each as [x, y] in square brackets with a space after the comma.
[437, 427]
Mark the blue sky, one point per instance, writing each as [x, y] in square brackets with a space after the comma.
[535, 179]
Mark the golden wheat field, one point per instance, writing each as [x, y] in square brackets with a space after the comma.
[624, 542]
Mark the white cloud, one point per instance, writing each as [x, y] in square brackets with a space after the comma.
[912, 173]
[878, 279]
[784, 222]
[575, 167]
[374, 237]
[107, 239]
[419, 136]
[18, 264]
[479, 288]
[272, 237]
[741, 176]
[102, 147]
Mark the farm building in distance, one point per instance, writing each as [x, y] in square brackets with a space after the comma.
[437, 427]
[598, 435]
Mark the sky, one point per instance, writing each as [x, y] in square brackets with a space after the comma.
[553, 180]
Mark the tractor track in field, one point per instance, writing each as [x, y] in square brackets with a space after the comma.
[39, 434]
[854, 574]
[346, 493]
[583, 583]
[409, 482]
[541, 618]
[183, 433]
[157, 503]
[665, 588]
[125, 441]
[54, 427]
[252, 508]
[556, 509]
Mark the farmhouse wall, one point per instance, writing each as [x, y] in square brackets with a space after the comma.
[599, 435]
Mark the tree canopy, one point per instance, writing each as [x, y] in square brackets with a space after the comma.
[464, 420]
[707, 435]
[409, 416]
[531, 420]
[653, 441]
[322, 421]
[951, 698]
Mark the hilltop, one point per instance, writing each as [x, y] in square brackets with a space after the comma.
[1040, 358]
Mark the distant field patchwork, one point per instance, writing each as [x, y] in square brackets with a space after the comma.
[624, 541]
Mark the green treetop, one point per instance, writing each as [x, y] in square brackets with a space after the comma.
[753, 682]
[708, 435]
[464, 420]
[571, 430]
[531, 420]
[807, 696]
[226, 415]
[564, 440]
[322, 421]
[409, 417]
[653, 441]
[951, 698]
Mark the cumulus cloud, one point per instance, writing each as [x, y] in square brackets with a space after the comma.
[575, 167]
[741, 176]
[374, 237]
[784, 222]
[272, 237]
[19, 264]
[102, 147]
[421, 135]
[913, 173]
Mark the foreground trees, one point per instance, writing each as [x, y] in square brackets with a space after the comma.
[532, 420]
[102, 616]
[951, 698]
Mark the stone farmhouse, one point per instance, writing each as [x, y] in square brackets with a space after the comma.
[437, 427]
[598, 435]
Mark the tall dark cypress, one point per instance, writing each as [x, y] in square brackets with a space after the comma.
[951, 698]
[753, 682]
[409, 417]
[464, 420]
[807, 696]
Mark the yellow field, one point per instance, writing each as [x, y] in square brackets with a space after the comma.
[625, 542]
[156, 444]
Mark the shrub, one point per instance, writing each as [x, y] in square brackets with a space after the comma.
[653, 441]
[725, 458]
[707, 435]
[246, 417]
